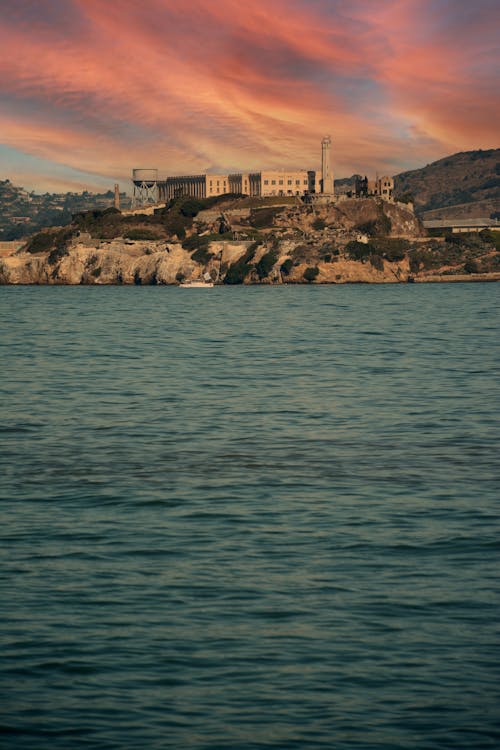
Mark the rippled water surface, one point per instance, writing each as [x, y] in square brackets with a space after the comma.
[245, 518]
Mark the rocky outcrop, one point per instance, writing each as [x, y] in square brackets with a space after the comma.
[353, 241]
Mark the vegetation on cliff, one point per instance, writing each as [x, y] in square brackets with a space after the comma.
[366, 240]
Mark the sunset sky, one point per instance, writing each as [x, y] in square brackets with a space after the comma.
[92, 88]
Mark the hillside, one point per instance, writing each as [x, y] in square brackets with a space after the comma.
[231, 241]
[463, 185]
[22, 213]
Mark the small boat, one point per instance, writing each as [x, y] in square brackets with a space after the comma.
[197, 284]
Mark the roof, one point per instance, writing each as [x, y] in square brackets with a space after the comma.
[459, 223]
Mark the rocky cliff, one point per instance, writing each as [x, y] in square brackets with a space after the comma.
[365, 241]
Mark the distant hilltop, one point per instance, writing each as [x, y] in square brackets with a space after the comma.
[464, 185]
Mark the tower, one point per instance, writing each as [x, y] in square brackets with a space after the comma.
[117, 196]
[326, 170]
[145, 187]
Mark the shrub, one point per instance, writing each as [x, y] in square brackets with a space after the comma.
[237, 272]
[286, 266]
[406, 198]
[176, 225]
[391, 248]
[57, 253]
[301, 253]
[491, 238]
[195, 241]
[358, 250]
[493, 182]
[265, 264]
[263, 217]
[191, 207]
[201, 255]
[96, 272]
[380, 226]
[311, 273]
[471, 266]
[140, 234]
[319, 224]
[377, 262]
[40, 243]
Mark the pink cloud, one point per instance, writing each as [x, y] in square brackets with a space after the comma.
[227, 85]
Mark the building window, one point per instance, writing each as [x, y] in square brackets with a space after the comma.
[266, 182]
[297, 182]
[273, 182]
[305, 182]
[281, 182]
[289, 182]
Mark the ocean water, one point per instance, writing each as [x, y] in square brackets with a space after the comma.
[243, 518]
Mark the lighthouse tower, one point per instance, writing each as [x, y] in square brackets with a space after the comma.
[326, 166]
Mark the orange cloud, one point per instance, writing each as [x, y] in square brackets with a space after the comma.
[104, 87]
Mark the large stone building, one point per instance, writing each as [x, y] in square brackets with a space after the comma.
[270, 182]
[317, 186]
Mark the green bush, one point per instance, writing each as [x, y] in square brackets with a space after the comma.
[57, 253]
[40, 243]
[195, 241]
[380, 226]
[263, 217]
[201, 255]
[377, 262]
[265, 264]
[406, 198]
[286, 266]
[491, 238]
[311, 273]
[358, 250]
[318, 224]
[141, 234]
[176, 225]
[471, 266]
[238, 271]
[191, 207]
[391, 248]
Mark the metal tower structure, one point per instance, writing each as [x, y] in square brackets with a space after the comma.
[145, 187]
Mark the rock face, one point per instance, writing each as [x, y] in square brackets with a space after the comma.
[353, 241]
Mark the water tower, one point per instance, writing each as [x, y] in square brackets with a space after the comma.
[145, 187]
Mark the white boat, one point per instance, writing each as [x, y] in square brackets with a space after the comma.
[197, 284]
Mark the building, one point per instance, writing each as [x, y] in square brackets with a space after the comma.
[384, 187]
[271, 182]
[381, 186]
[317, 186]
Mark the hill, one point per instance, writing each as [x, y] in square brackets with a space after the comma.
[364, 240]
[466, 184]
[22, 213]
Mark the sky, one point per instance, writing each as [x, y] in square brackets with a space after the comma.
[91, 89]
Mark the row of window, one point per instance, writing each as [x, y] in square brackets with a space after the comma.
[281, 182]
